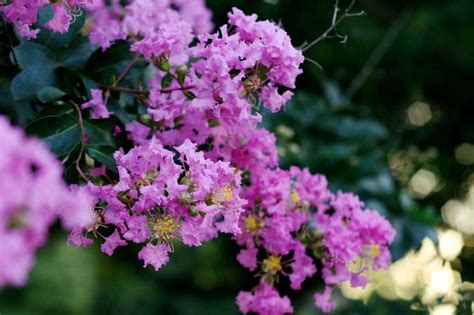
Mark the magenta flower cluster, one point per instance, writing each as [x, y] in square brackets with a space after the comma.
[165, 195]
[24, 14]
[33, 196]
[200, 164]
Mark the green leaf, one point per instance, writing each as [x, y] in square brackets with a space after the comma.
[31, 54]
[120, 112]
[77, 55]
[103, 66]
[166, 81]
[71, 81]
[56, 111]
[49, 94]
[181, 72]
[104, 155]
[61, 133]
[27, 83]
[99, 132]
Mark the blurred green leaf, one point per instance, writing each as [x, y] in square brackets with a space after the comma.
[27, 83]
[49, 94]
[77, 54]
[30, 54]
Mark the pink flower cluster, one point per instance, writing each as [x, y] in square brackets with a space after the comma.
[24, 14]
[200, 165]
[33, 195]
[154, 27]
[291, 216]
[283, 219]
[164, 195]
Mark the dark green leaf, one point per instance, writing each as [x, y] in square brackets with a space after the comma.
[103, 154]
[49, 94]
[56, 111]
[32, 54]
[27, 83]
[77, 55]
[120, 112]
[61, 133]
[99, 132]
[166, 81]
[103, 66]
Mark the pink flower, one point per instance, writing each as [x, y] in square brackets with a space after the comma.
[324, 302]
[155, 255]
[97, 105]
[33, 197]
[264, 301]
[248, 257]
[112, 242]
[61, 19]
[302, 267]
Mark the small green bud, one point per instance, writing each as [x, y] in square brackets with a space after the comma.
[181, 72]
[184, 198]
[192, 211]
[162, 63]
[147, 120]
[214, 123]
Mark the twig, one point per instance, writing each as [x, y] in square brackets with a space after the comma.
[121, 77]
[127, 70]
[335, 22]
[375, 57]
[123, 89]
[82, 144]
[142, 92]
[314, 62]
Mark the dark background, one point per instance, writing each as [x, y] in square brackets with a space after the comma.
[353, 128]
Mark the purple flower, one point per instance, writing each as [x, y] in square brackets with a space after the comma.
[324, 302]
[112, 242]
[155, 255]
[264, 301]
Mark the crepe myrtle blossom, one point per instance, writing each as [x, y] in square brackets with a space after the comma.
[163, 26]
[33, 197]
[196, 163]
[23, 14]
[292, 218]
[163, 196]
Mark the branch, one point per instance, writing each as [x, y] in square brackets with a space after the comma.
[121, 77]
[82, 144]
[335, 22]
[141, 92]
[127, 70]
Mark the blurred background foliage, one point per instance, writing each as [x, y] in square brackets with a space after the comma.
[390, 117]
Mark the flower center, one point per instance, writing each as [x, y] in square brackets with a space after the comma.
[253, 225]
[222, 195]
[272, 265]
[164, 227]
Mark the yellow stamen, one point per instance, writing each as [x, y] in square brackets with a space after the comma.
[295, 197]
[272, 265]
[223, 194]
[374, 251]
[253, 224]
[164, 227]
